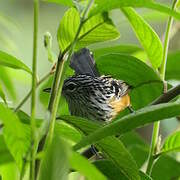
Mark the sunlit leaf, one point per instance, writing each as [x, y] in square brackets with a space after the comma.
[63, 2]
[107, 5]
[146, 35]
[16, 134]
[84, 166]
[139, 118]
[98, 28]
[5, 78]
[2, 95]
[12, 62]
[172, 143]
[55, 163]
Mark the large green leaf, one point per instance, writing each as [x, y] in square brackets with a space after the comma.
[136, 146]
[125, 49]
[146, 35]
[173, 66]
[12, 62]
[109, 169]
[63, 2]
[16, 134]
[137, 119]
[111, 147]
[84, 166]
[166, 168]
[127, 68]
[107, 5]
[172, 143]
[55, 163]
[98, 28]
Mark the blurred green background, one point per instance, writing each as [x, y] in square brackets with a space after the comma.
[16, 34]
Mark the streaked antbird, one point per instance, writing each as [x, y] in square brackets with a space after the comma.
[90, 95]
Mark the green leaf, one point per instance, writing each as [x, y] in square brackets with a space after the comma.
[84, 166]
[98, 28]
[107, 5]
[125, 49]
[146, 35]
[149, 91]
[67, 132]
[2, 95]
[6, 157]
[171, 143]
[16, 134]
[111, 147]
[109, 169]
[166, 168]
[139, 118]
[127, 68]
[63, 2]
[173, 66]
[12, 62]
[55, 163]
[7, 82]
[136, 146]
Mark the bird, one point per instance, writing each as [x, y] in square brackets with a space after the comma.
[91, 95]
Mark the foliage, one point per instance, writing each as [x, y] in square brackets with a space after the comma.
[123, 152]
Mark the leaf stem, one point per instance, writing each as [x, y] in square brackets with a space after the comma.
[34, 84]
[162, 71]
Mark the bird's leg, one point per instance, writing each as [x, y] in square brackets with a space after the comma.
[131, 110]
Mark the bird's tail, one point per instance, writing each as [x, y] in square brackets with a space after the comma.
[83, 63]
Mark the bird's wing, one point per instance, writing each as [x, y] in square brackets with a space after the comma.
[83, 63]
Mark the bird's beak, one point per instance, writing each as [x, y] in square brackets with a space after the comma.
[47, 90]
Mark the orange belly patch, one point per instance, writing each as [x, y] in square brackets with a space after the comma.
[120, 104]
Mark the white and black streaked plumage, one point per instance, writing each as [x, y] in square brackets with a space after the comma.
[96, 98]
[90, 95]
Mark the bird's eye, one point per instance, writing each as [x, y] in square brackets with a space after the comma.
[71, 86]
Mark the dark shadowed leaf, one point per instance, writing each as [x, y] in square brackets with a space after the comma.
[173, 66]
[55, 163]
[144, 176]
[166, 168]
[137, 119]
[109, 169]
[98, 28]
[111, 147]
[82, 165]
[146, 35]
[107, 5]
[171, 143]
[136, 146]
[16, 134]
[12, 62]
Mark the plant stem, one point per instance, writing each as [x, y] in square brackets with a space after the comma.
[34, 83]
[29, 93]
[59, 76]
[156, 127]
